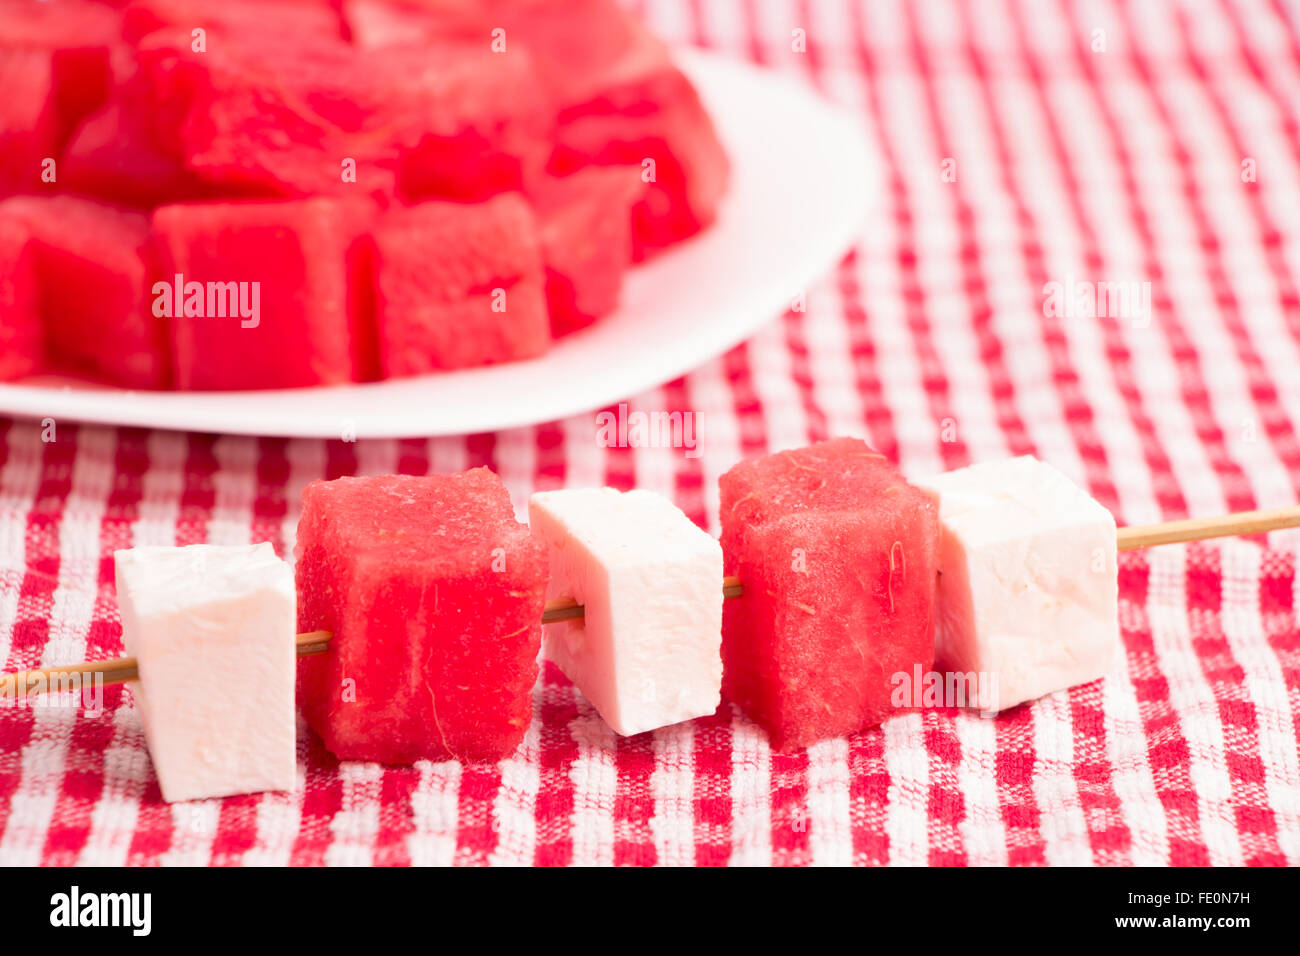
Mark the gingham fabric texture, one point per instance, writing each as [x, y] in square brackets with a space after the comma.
[1025, 142]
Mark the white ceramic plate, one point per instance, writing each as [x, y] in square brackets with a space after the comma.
[803, 178]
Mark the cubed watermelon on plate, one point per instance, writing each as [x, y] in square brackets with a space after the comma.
[458, 285]
[620, 100]
[434, 595]
[280, 286]
[95, 270]
[21, 335]
[837, 556]
[585, 231]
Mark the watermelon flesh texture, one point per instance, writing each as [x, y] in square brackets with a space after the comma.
[76, 37]
[458, 285]
[254, 115]
[584, 227]
[110, 156]
[380, 24]
[83, 79]
[837, 555]
[233, 21]
[114, 154]
[671, 129]
[453, 121]
[620, 100]
[60, 24]
[95, 269]
[21, 338]
[28, 118]
[225, 117]
[308, 263]
[434, 594]
[478, 123]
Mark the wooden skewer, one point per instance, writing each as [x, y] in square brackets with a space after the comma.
[566, 609]
[317, 642]
[1201, 529]
[117, 671]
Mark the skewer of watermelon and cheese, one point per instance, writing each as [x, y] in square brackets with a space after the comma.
[120, 670]
[410, 583]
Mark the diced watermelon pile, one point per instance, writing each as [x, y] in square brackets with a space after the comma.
[218, 121]
[480, 299]
[434, 595]
[837, 554]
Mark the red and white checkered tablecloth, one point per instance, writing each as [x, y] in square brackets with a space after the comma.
[1027, 142]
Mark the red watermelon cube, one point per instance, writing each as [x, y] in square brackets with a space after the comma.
[434, 595]
[75, 38]
[251, 116]
[115, 155]
[620, 100]
[95, 270]
[281, 292]
[837, 556]
[111, 157]
[458, 285]
[467, 123]
[21, 336]
[228, 117]
[584, 227]
[29, 119]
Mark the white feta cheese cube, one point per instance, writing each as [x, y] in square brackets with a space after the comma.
[1028, 586]
[213, 628]
[648, 652]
